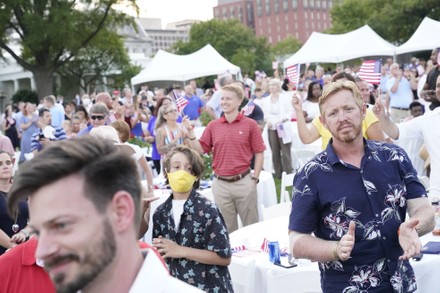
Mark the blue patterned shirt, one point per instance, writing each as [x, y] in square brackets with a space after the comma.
[329, 193]
[59, 134]
[202, 227]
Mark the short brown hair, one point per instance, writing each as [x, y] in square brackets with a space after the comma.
[334, 87]
[197, 165]
[122, 128]
[104, 168]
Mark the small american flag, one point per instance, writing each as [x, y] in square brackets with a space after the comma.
[238, 248]
[181, 102]
[292, 73]
[370, 71]
[265, 245]
[247, 110]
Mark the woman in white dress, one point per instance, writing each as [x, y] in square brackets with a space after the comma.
[277, 109]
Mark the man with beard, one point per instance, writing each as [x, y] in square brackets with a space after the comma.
[354, 197]
[87, 229]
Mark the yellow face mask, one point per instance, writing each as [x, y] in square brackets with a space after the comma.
[181, 181]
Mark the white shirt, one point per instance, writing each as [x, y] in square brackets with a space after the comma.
[425, 127]
[154, 277]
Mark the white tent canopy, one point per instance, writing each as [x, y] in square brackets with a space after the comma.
[170, 67]
[426, 37]
[326, 48]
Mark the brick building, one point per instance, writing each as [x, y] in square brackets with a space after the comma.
[278, 19]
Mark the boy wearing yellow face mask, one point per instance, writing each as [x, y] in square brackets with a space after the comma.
[188, 229]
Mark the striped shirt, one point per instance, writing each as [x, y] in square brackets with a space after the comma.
[233, 144]
[59, 134]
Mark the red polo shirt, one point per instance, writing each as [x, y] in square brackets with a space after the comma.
[232, 144]
[19, 272]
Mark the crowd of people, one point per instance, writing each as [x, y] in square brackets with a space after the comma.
[85, 204]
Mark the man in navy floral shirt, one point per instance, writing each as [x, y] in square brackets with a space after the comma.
[354, 197]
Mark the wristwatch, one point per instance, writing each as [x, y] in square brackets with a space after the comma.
[257, 180]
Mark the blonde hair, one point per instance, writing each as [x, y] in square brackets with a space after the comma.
[235, 88]
[160, 120]
[337, 86]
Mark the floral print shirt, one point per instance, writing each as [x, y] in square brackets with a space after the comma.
[329, 193]
[202, 227]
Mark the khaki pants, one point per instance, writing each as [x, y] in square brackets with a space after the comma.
[234, 198]
[397, 115]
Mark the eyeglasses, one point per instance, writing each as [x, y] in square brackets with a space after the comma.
[171, 111]
[99, 117]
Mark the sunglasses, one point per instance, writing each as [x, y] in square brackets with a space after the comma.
[99, 117]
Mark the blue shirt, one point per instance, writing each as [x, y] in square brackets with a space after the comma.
[202, 227]
[59, 134]
[193, 108]
[329, 193]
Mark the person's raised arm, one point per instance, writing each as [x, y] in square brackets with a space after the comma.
[385, 123]
[374, 132]
[307, 134]
[192, 140]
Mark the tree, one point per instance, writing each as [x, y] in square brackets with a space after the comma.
[394, 20]
[232, 40]
[53, 32]
[286, 47]
[102, 57]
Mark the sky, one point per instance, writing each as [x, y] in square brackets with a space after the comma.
[176, 10]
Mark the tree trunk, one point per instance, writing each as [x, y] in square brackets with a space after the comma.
[44, 82]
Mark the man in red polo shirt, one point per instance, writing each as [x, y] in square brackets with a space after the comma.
[233, 139]
[21, 272]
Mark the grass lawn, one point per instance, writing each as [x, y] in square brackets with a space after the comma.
[278, 188]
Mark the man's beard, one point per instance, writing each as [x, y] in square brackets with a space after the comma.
[91, 264]
[348, 136]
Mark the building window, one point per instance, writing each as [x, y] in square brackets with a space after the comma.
[306, 15]
[324, 4]
[232, 12]
[294, 4]
[318, 4]
[259, 8]
[267, 7]
[324, 16]
[285, 5]
[312, 3]
[330, 4]
[276, 7]
[296, 26]
[305, 3]
[278, 28]
[312, 15]
[318, 16]
[297, 35]
[313, 26]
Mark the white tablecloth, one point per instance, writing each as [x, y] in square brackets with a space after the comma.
[427, 270]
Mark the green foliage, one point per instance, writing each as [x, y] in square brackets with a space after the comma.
[286, 47]
[207, 161]
[138, 141]
[234, 41]
[55, 32]
[25, 96]
[104, 54]
[205, 118]
[394, 20]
